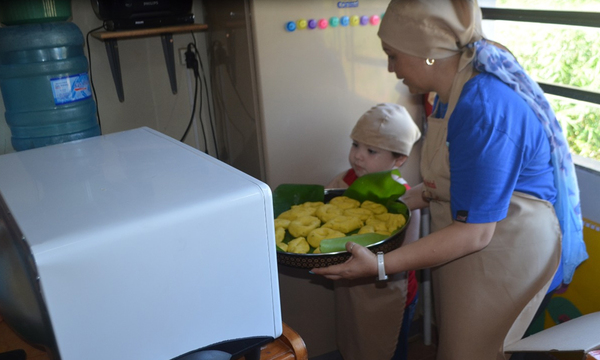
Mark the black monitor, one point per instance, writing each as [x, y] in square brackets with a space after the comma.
[133, 14]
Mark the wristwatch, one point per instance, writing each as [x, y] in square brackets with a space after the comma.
[381, 267]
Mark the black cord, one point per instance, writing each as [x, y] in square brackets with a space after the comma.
[192, 63]
[210, 115]
[193, 108]
[201, 104]
[217, 99]
[215, 59]
[87, 40]
[227, 70]
[218, 94]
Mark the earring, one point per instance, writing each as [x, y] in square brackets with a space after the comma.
[429, 61]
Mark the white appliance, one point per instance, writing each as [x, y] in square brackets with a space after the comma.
[136, 246]
[286, 102]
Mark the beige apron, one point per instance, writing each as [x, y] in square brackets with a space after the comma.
[368, 316]
[487, 299]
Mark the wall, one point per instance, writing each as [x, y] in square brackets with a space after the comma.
[149, 100]
[582, 295]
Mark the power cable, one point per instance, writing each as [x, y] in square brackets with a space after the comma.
[217, 58]
[192, 63]
[87, 41]
[210, 115]
[228, 71]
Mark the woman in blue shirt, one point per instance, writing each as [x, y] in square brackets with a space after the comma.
[497, 177]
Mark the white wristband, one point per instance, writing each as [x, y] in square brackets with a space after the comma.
[381, 267]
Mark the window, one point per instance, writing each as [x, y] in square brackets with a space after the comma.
[556, 42]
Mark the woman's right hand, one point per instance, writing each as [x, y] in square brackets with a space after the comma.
[362, 263]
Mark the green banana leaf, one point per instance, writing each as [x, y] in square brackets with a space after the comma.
[286, 195]
[379, 187]
[339, 244]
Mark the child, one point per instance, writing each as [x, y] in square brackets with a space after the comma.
[372, 318]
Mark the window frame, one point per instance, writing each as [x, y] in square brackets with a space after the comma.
[568, 18]
[572, 18]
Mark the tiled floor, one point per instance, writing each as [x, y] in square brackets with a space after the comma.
[417, 350]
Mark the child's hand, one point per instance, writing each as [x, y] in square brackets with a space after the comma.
[362, 263]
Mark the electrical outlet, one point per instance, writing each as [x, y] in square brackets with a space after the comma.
[182, 56]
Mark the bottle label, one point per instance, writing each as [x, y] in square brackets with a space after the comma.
[71, 88]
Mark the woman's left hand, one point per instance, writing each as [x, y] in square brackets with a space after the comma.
[362, 263]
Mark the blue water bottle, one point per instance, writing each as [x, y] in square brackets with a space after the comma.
[45, 85]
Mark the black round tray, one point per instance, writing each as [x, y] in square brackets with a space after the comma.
[309, 261]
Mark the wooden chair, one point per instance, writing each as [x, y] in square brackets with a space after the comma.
[289, 346]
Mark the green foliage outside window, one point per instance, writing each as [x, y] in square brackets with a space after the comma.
[565, 56]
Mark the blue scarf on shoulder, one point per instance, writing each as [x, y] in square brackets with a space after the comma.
[491, 59]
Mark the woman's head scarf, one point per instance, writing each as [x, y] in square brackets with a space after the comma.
[443, 28]
[431, 29]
